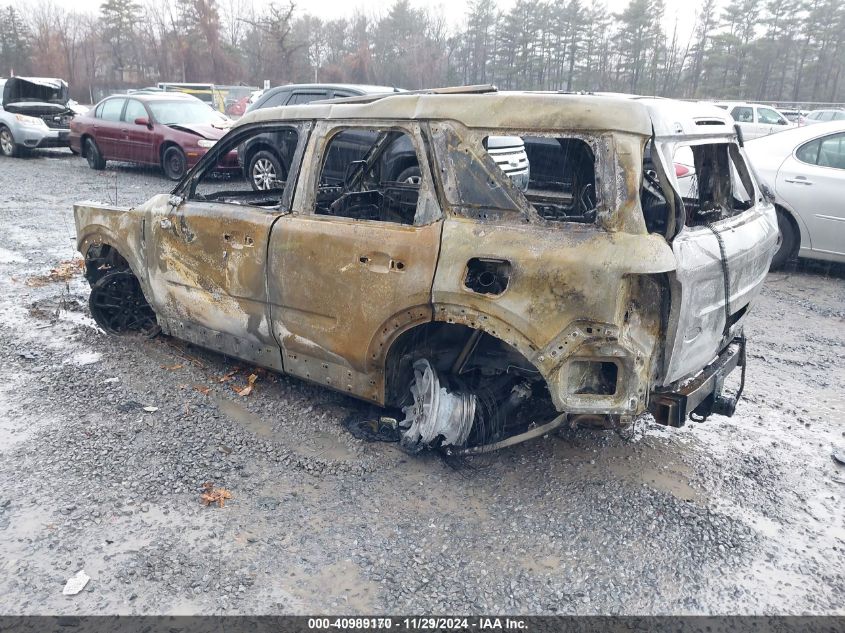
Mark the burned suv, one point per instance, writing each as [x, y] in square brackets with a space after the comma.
[35, 112]
[481, 313]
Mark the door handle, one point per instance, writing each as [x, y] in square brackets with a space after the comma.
[799, 180]
[381, 263]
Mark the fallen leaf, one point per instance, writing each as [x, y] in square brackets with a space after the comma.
[63, 272]
[249, 386]
[229, 376]
[214, 495]
[203, 390]
[172, 367]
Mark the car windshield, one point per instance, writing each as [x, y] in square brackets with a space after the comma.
[182, 112]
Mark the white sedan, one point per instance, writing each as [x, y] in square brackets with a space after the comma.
[804, 168]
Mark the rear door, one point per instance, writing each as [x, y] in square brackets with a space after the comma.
[744, 116]
[812, 181]
[353, 266]
[306, 96]
[108, 130]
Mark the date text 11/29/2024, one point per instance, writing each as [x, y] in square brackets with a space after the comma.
[417, 623]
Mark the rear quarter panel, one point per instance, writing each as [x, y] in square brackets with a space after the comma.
[570, 295]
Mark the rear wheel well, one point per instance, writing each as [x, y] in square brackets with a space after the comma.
[442, 344]
[796, 230]
[261, 147]
[484, 377]
[403, 163]
[83, 141]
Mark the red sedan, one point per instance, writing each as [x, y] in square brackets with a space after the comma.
[168, 129]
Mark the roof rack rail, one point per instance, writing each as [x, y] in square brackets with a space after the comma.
[451, 90]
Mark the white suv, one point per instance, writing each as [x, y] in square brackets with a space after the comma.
[756, 120]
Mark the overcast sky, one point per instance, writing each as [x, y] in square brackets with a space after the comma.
[454, 10]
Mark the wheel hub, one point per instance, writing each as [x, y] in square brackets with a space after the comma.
[263, 174]
[435, 412]
[118, 305]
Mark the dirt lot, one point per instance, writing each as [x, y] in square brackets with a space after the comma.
[740, 515]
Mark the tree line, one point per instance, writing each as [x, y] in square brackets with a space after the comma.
[761, 50]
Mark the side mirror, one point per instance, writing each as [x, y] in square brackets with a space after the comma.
[142, 120]
[783, 122]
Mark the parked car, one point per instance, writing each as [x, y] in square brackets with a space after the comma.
[35, 112]
[793, 115]
[804, 169]
[265, 160]
[168, 129]
[472, 308]
[822, 116]
[293, 94]
[756, 120]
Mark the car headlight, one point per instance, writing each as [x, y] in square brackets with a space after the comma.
[206, 143]
[29, 121]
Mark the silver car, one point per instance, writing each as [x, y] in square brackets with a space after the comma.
[822, 116]
[804, 168]
[35, 112]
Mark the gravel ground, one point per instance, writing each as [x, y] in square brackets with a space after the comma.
[740, 515]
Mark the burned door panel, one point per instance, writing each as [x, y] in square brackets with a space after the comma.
[207, 263]
[207, 256]
[342, 286]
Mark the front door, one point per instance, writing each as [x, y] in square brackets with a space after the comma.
[353, 266]
[107, 129]
[812, 182]
[207, 256]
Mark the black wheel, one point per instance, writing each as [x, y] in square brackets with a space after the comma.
[173, 163]
[93, 156]
[410, 176]
[7, 142]
[266, 171]
[790, 241]
[118, 305]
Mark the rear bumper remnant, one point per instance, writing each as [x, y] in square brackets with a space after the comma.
[702, 395]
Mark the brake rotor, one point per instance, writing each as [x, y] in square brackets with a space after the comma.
[435, 412]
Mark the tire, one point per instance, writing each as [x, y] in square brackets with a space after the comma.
[173, 163]
[410, 176]
[93, 156]
[790, 241]
[8, 147]
[118, 305]
[265, 169]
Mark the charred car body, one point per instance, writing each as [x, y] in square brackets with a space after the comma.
[35, 112]
[461, 298]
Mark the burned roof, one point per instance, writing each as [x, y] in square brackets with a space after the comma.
[519, 110]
